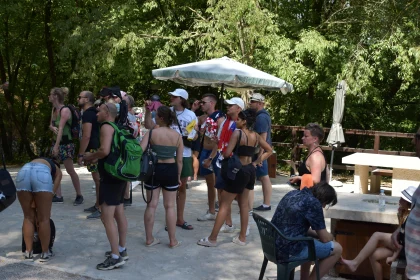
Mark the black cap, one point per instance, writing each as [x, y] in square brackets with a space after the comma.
[155, 97]
[109, 91]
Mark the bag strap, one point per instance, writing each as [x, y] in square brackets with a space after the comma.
[238, 143]
[115, 130]
[150, 137]
[177, 121]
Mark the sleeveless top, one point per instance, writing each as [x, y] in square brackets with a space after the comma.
[164, 152]
[66, 138]
[245, 150]
[53, 167]
[304, 170]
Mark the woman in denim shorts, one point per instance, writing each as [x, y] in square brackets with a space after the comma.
[34, 184]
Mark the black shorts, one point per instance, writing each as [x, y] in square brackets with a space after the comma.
[245, 178]
[166, 177]
[112, 193]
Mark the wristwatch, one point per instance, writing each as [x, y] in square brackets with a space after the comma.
[210, 158]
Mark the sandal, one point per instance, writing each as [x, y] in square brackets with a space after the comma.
[237, 241]
[176, 245]
[155, 242]
[206, 243]
[185, 226]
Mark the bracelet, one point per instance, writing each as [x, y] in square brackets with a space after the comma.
[80, 155]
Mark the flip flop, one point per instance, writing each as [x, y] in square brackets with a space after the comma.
[176, 245]
[155, 242]
[206, 243]
[185, 226]
[238, 242]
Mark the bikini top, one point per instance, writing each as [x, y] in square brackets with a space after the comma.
[304, 170]
[53, 167]
[245, 150]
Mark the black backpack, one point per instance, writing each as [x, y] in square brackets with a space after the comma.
[36, 247]
[76, 116]
[7, 188]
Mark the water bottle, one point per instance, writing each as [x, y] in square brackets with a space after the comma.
[382, 201]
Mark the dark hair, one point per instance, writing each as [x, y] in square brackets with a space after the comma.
[130, 100]
[60, 93]
[184, 103]
[56, 161]
[324, 193]
[211, 96]
[250, 116]
[316, 130]
[168, 116]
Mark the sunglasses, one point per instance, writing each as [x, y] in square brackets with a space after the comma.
[80, 97]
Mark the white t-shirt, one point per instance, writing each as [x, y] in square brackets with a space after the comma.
[185, 117]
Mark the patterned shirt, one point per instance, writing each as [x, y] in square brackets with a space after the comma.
[412, 238]
[296, 212]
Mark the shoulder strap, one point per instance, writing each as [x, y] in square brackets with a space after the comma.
[177, 122]
[150, 137]
[257, 139]
[238, 143]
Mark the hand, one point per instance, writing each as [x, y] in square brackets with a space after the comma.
[80, 161]
[295, 180]
[55, 151]
[88, 157]
[395, 239]
[206, 163]
[196, 105]
[147, 103]
[389, 260]
[179, 181]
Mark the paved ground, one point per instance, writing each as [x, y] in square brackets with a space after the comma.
[81, 243]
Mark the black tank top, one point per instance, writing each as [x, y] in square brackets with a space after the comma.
[246, 151]
[304, 170]
[53, 167]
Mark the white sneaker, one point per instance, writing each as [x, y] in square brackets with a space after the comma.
[227, 229]
[94, 187]
[207, 217]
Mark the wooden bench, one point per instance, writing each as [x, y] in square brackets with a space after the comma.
[398, 269]
[375, 179]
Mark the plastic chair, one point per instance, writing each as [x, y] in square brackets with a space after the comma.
[268, 235]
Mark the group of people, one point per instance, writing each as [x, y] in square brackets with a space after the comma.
[233, 153]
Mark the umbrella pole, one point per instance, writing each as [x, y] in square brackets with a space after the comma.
[331, 163]
[221, 97]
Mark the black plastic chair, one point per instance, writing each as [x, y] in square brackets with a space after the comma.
[268, 234]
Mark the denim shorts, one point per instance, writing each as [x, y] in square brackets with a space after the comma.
[205, 154]
[262, 170]
[34, 177]
[323, 250]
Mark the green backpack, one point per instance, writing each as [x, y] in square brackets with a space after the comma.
[123, 161]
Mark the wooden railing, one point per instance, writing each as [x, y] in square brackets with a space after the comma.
[296, 147]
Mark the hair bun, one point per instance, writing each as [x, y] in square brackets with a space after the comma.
[65, 90]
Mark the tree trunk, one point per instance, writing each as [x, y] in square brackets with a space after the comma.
[49, 42]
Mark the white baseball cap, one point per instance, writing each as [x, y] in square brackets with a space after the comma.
[180, 92]
[236, 101]
[257, 97]
[407, 194]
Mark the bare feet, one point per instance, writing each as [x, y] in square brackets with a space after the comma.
[350, 264]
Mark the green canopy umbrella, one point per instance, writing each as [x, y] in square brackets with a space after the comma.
[222, 72]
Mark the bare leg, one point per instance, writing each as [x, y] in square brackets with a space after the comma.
[379, 254]
[267, 189]
[368, 250]
[196, 164]
[107, 217]
[304, 271]
[127, 191]
[251, 200]
[96, 179]
[58, 192]
[43, 201]
[180, 201]
[211, 192]
[25, 200]
[68, 164]
[326, 264]
[149, 215]
[122, 225]
[243, 206]
[224, 210]
[169, 198]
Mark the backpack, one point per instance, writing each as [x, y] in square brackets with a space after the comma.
[76, 116]
[36, 246]
[123, 161]
[7, 187]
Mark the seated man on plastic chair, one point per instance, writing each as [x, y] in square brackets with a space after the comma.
[299, 213]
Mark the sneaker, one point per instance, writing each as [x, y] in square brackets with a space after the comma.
[58, 200]
[123, 254]
[251, 212]
[262, 208]
[127, 202]
[94, 215]
[79, 200]
[91, 209]
[227, 229]
[207, 217]
[28, 256]
[110, 263]
[46, 257]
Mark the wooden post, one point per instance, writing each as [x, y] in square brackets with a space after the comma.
[375, 181]
[295, 152]
[376, 143]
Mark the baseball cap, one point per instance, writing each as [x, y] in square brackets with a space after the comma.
[407, 194]
[257, 97]
[107, 91]
[236, 101]
[180, 92]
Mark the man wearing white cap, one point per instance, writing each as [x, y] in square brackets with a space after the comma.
[263, 127]
[179, 104]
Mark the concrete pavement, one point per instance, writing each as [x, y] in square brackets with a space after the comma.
[80, 243]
